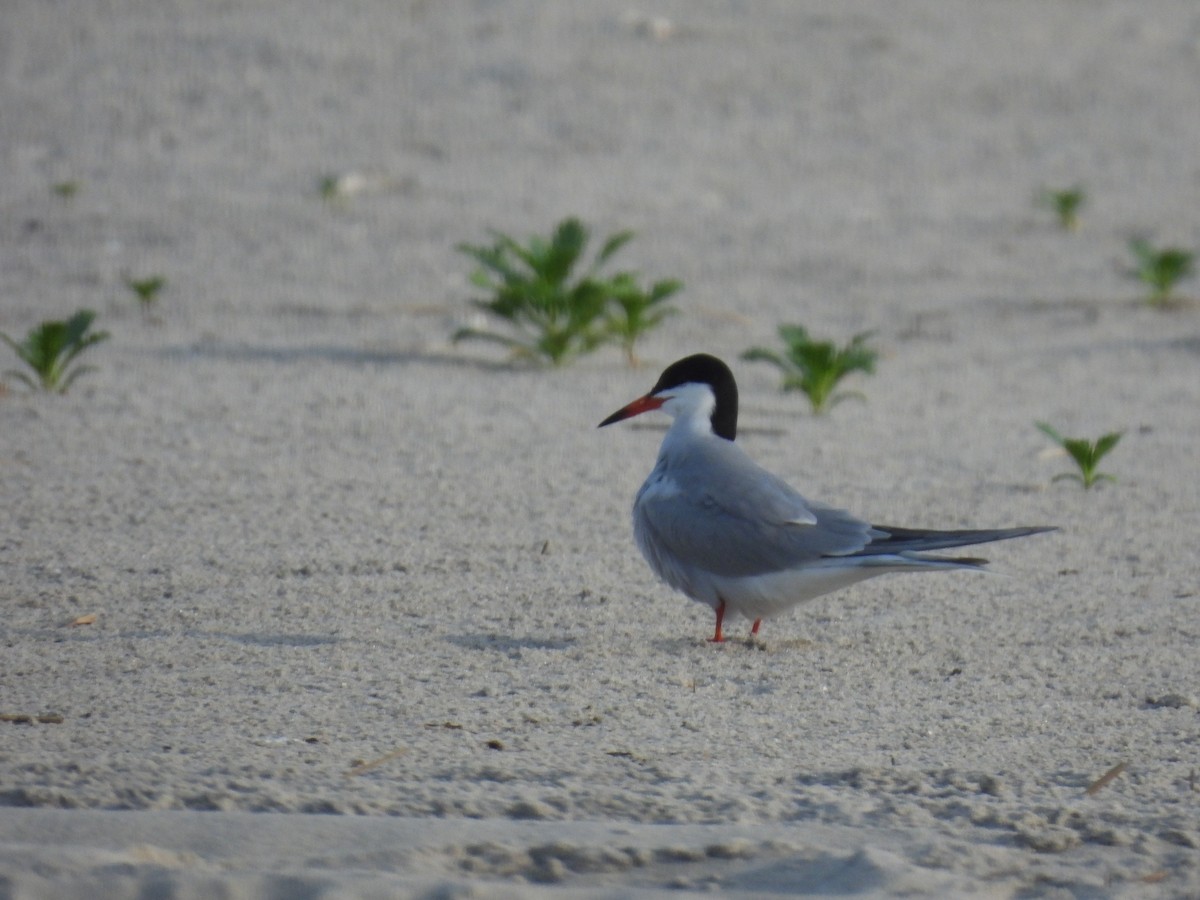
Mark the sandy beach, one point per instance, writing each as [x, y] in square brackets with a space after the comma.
[363, 612]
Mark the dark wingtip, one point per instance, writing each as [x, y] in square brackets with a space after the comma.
[919, 540]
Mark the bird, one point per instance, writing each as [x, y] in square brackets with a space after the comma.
[724, 531]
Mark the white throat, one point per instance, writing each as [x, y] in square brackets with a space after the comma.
[691, 406]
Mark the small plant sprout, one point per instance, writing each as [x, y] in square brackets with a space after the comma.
[341, 186]
[1064, 203]
[65, 189]
[816, 367]
[1087, 454]
[327, 185]
[550, 315]
[1161, 269]
[146, 290]
[50, 348]
[635, 311]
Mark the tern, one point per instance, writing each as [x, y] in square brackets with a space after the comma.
[718, 527]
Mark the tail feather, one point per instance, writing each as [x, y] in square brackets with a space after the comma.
[915, 540]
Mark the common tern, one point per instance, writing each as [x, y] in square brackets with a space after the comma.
[721, 529]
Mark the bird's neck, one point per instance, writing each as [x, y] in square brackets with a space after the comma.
[685, 431]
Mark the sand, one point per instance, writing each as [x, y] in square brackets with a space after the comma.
[368, 617]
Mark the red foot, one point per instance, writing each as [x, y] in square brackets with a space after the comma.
[754, 627]
[718, 637]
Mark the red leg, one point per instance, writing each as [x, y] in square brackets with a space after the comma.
[719, 638]
[754, 627]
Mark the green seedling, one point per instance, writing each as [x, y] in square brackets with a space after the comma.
[329, 187]
[634, 311]
[1087, 454]
[146, 290]
[816, 367]
[66, 189]
[1065, 204]
[1161, 269]
[550, 315]
[50, 348]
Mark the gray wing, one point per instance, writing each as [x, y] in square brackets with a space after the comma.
[718, 511]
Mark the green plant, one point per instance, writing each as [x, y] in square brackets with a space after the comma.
[634, 311]
[1160, 269]
[551, 315]
[328, 186]
[51, 347]
[1065, 204]
[1087, 454]
[146, 290]
[816, 367]
[65, 189]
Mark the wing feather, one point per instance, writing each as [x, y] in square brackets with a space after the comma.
[711, 508]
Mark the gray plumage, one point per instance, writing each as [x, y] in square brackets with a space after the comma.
[726, 532]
